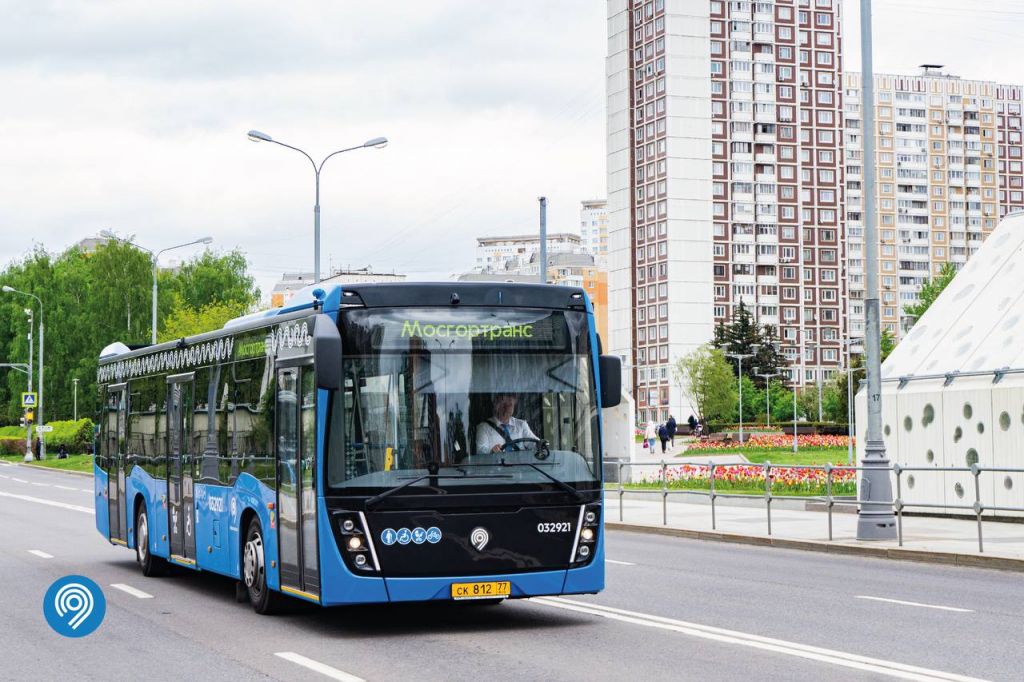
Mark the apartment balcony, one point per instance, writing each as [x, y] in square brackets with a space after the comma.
[764, 57]
[740, 35]
[768, 259]
[743, 136]
[766, 78]
[742, 96]
[747, 197]
[764, 158]
[763, 137]
[764, 177]
[742, 238]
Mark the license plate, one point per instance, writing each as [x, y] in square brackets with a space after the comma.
[492, 590]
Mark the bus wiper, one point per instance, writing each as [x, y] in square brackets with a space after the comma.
[577, 495]
[372, 502]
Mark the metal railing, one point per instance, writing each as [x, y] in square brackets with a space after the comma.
[898, 505]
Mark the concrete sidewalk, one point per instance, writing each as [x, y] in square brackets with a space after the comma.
[935, 540]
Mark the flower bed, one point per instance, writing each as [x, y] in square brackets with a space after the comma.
[786, 480]
[769, 441]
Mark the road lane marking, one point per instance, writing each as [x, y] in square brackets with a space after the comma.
[831, 656]
[915, 603]
[40, 500]
[131, 590]
[620, 563]
[65, 487]
[317, 666]
[40, 553]
[42, 485]
[19, 480]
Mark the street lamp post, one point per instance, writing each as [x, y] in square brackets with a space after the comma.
[796, 446]
[739, 380]
[767, 392]
[39, 422]
[155, 257]
[75, 382]
[376, 143]
[817, 377]
[28, 429]
[876, 519]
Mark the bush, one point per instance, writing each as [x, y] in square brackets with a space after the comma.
[76, 436]
[12, 432]
[10, 445]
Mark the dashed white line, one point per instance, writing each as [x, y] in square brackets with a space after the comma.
[132, 591]
[831, 656]
[19, 480]
[41, 485]
[317, 666]
[40, 553]
[64, 487]
[84, 490]
[914, 603]
[620, 563]
[51, 503]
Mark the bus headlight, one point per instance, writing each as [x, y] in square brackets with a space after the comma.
[587, 534]
[360, 560]
[348, 525]
[586, 538]
[353, 538]
[355, 542]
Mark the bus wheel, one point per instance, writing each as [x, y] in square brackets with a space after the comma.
[254, 572]
[152, 566]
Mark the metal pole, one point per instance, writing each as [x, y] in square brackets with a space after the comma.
[739, 379]
[75, 382]
[28, 427]
[817, 381]
[40, 421]
[795, 447]
[152, 338]
[543, 239]
[768, 402]
[316, 230]
[849, 408]
[875, 521]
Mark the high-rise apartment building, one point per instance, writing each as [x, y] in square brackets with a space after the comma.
[949, 160]
[724, 181]
[594, 229]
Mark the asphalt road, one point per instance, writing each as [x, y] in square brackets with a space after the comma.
[674, 609]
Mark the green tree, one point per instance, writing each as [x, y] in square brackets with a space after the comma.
[706, 379]
[187, 321]
[930, 290]
[743, 336]
[210, 277]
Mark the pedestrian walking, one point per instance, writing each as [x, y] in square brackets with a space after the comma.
[651, 434]
[37, 448]
[663, 437]
[671, 426]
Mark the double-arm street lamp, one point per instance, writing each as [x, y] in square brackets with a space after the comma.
[39, 407]
[155, 257]
[376, 143]
[767, 392]
[739, 380]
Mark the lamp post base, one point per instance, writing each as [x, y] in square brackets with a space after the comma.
[875, 518]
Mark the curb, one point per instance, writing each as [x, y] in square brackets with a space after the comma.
[891, 553]
[60, 471]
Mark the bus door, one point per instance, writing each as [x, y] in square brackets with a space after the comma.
[116, 425]
[296, 486]
[180, 495]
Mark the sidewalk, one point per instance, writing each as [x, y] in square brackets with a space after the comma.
[936, 540]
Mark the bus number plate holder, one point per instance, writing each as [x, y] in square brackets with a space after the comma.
[501, 589]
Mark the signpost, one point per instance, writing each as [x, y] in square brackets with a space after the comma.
[29, 399]
[44, 428]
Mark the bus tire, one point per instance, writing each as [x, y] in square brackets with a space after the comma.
[254, 572]
[152, 566]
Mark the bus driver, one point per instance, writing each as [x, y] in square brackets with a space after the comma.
[500, 431]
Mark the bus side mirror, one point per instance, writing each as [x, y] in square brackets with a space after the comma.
[327, 353]
[610, 367]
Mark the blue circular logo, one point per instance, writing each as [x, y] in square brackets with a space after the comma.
[74, 606]
[388, 536]
[404, 536]
[433, 535]
[419, 536]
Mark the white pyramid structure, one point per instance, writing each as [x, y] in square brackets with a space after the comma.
[953, 389]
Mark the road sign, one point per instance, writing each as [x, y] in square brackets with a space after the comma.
[44, 428]
[29, 400]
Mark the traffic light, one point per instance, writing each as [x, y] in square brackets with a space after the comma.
[21, 422]
[29, 416]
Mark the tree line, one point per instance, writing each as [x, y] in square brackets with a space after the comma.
[94, 298]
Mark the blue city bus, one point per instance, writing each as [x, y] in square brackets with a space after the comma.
[355, 446]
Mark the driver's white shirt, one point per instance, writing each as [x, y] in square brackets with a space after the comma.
[488, 435]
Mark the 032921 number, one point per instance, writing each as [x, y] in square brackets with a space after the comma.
[557, 527]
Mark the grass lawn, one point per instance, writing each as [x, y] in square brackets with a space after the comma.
[805, 455]
[72, 463]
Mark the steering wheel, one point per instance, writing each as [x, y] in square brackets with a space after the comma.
[542, 452]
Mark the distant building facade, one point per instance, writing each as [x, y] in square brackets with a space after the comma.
[292, 282]
[497, 254]
[594, 229]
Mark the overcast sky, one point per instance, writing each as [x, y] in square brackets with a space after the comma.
[131, 116]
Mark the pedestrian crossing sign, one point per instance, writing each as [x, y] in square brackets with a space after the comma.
[28, 400]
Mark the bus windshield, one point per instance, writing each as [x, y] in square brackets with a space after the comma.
[488, 397]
